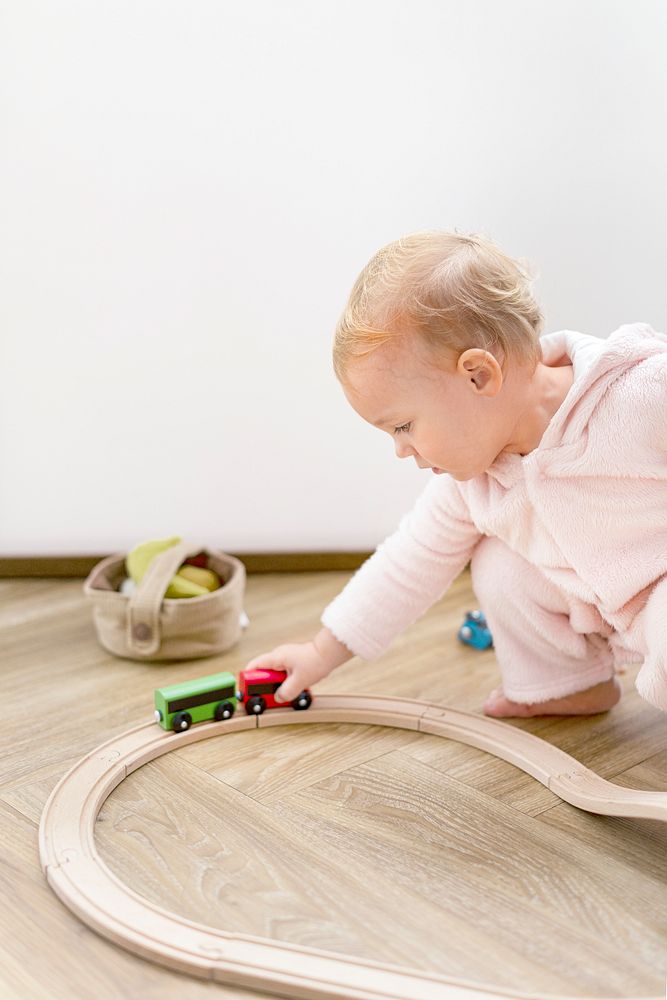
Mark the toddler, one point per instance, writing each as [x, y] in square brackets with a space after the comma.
[547, 458]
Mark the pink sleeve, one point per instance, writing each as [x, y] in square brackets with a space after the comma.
[407, 573]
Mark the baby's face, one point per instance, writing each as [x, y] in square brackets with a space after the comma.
[450, 418]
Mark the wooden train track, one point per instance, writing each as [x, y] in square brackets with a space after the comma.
[84, 883]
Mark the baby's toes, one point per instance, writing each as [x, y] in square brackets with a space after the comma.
[493, 701]
[500, 707]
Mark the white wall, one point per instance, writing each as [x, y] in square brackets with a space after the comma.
[189, 189]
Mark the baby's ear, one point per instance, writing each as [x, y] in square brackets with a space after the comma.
[481, 377]
[481, 368]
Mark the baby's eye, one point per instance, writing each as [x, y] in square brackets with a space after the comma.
[403, 428]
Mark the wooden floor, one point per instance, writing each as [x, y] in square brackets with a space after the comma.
[393, 845]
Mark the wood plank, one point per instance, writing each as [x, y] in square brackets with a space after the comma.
[606, 743]
[287, 759]
[639, 845]
[254, 562]
[64, 695]
[549, 898]
[189, 842]
[46, 953]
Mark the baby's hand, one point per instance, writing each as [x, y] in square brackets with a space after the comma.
[306, 663]
[303, 662]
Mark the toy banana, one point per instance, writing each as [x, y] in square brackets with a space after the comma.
[190, 581]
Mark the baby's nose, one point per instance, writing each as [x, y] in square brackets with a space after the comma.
[404, 450]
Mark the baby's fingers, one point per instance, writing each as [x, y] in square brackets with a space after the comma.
[267, 661]
[289, 689]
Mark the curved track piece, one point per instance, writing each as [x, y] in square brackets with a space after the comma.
[83, 882]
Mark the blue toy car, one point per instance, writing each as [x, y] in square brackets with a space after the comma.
[475, 632]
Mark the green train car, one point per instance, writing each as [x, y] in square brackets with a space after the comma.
[200, 700]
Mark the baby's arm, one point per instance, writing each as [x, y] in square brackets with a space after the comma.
[407, 573]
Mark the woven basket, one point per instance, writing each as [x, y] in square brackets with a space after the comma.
[149, 626]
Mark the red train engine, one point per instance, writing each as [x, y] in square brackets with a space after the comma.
[257, 688]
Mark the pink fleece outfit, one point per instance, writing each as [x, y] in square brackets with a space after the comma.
[568, 544]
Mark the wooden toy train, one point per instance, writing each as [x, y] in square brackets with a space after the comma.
[216, 696]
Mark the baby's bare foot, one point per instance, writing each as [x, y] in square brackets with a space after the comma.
[599, 698]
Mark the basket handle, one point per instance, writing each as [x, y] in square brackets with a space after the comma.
[143, 611]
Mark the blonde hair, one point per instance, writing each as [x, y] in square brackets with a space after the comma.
[454, 290]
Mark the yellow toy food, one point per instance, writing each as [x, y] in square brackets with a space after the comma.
[203, 577]
[189, 581]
